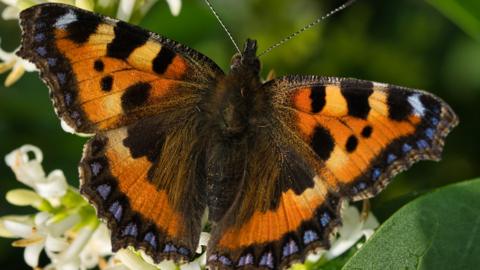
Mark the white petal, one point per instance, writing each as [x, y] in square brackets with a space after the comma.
[27, 65]
[55, 185]
[146, 257]
[32, 253]
[23, 197]
[125, 10]
[202, 260]
[10, 13]
[350, 220]
[371, 222]
[73, 264]
[204, 238]
[167, 265]
[175, 6]
[16, 73]
[98, 246]
[191, 266]
[117, 267]
[27, 171]
[133, 261]
[100, 241]
[57, 227]
[21, 229]
[55, 244]
[88, 258]
[351, 231]
[341, 245]
[77, 245]
[314, 257]
[42, 218]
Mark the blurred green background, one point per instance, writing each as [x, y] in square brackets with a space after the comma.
[408, 43]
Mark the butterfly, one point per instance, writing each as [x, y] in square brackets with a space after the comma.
[176, 140]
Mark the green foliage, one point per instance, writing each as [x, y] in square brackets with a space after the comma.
[465, 13]
[440, 230]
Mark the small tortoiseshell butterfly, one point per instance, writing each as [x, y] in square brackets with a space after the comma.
[174, 136]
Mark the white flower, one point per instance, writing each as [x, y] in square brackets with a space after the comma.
[35, 236]
[10, 61]
[30, 172]
[99, 246]
[353, 229]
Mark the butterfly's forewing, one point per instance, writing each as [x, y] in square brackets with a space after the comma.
[331, 139]
[363, 132]
[138, 93]
[104, 73]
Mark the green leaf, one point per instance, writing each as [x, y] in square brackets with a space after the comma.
[440, 230]
[465, 13]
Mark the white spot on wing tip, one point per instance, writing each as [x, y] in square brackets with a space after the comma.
[66, 19]
[66, 127]
[417, 104]
[70, 129]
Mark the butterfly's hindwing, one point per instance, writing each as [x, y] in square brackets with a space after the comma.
[124, 175]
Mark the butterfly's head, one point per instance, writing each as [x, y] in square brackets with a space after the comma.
[248, 60]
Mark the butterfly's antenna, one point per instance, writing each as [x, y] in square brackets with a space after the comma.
[223, 25]
[308, 26]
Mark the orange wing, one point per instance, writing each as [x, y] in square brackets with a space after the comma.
[363, 132]
[138, 92]
[331, 140]
[104, 73]
[282, 211]
[138, 186]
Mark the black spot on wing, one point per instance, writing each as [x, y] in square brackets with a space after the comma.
[352, 143]
[163, 59]
[80, 30]
[322, 142]
[127, 38]
[398, 106]
[135, 95]
[367, 131]
[356, 94]
[98, 65]
[106, 83]
[317, 96]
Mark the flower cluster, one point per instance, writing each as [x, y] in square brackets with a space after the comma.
[126, 10]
